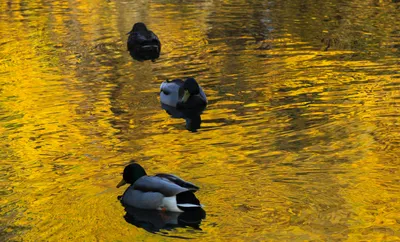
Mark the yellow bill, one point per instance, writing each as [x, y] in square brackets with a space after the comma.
[185, 96]
[121, 183]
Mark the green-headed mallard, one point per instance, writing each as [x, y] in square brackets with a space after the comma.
[184, 99]
[160, 192]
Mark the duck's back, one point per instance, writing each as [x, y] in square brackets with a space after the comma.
[158, 184]
[171, 92]
[144, 45]
[141, 38]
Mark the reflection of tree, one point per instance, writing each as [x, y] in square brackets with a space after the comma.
[306, 136]
[298, 123]
[58, 78]
[356, 25]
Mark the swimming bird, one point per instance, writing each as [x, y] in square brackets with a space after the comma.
[184, 99]
[143, 44]
[164, 192]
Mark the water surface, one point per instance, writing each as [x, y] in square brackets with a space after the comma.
[300, 140]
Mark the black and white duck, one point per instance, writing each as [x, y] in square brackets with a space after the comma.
[143, 44]
[184, 99]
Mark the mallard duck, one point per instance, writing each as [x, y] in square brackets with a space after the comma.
[160, 192]
[143, 44]
[184, 99]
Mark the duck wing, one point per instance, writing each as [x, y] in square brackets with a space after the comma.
[179, 181]
[160, 185]
[155, 39]
[203, 95]
[141, 199]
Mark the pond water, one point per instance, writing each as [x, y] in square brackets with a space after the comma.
[300, 140]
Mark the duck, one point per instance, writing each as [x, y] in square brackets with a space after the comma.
[165, 192]
[142, 43]
[184, 99]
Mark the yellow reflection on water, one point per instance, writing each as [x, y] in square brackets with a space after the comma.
[296, 144]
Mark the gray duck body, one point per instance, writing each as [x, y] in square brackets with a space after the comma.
[158, 192]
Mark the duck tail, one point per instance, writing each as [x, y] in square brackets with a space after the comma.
[187, 201]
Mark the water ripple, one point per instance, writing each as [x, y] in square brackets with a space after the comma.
[299, 141]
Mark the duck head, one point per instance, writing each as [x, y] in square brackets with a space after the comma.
[138, 27]
[132, 172]
[190, 87]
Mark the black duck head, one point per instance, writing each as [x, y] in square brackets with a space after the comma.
[132, 172]
[190, 87]
[138, 27]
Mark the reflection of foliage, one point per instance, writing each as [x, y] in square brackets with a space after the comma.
[306, 136]
[355, 25]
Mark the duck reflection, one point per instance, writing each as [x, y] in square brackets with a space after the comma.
[184, 99]
[154, 220]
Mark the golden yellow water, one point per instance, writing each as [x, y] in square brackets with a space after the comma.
[300, 141]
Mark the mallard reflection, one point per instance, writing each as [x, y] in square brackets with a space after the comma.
[153, 220]
[184, 99]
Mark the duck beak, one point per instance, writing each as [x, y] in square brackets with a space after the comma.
[185, 96]
[121, 183]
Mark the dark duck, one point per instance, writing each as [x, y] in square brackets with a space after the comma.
[184, 99]
[143, 44]
[163, 192]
